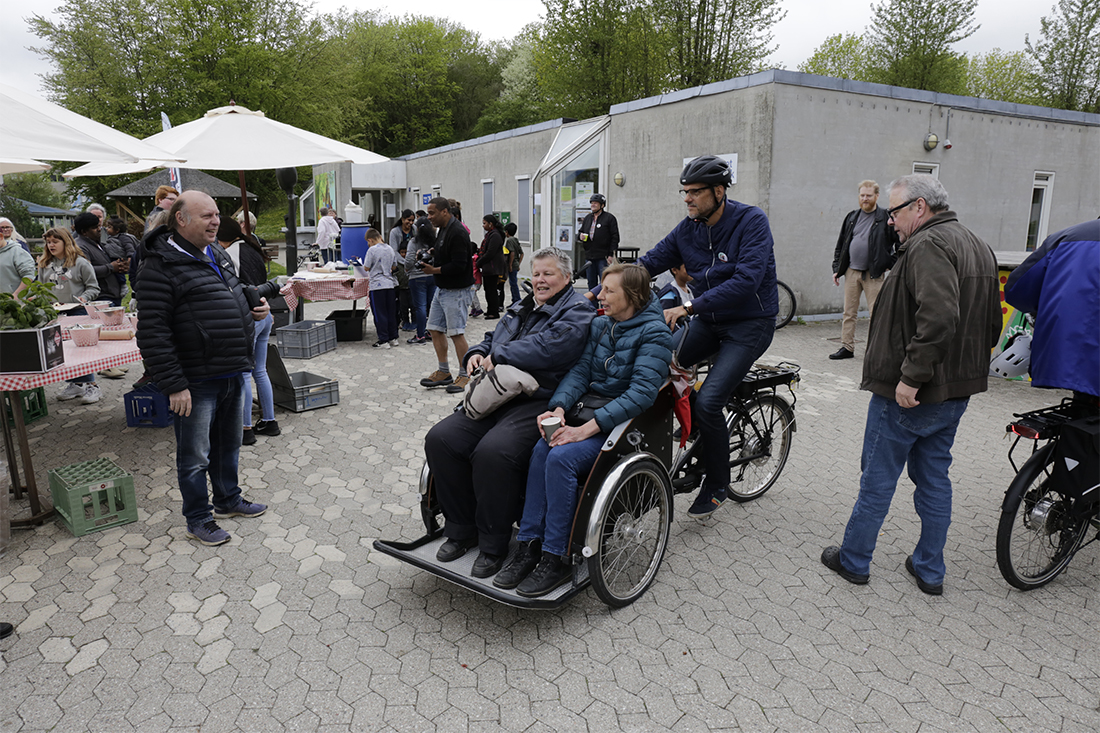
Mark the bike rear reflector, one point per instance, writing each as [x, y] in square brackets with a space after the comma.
[1024, 431]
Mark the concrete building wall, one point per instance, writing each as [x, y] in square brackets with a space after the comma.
[460, 171]
[828, 141]
[648, 147]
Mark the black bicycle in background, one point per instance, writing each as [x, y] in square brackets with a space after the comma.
[787, 305]
[1054, 501]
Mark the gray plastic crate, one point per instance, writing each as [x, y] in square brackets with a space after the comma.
[307, 392]
[306, 339]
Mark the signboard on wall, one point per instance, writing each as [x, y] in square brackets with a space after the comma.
[427, 199]
[325, 188]
[730, 158]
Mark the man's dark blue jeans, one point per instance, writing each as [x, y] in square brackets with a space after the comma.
[733, 347]
[208, 443]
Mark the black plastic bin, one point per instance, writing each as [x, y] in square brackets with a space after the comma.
[349, 324]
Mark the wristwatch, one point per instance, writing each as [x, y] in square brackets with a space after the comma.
[688, 308]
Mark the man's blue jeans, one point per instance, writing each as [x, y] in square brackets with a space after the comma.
[921, 436]
[513, 281]
[594, 270]
[208, 442]
[733, 347]
[552, 488]
[421, 291]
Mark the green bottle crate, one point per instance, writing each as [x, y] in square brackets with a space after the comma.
[34, 406]
[93, 496]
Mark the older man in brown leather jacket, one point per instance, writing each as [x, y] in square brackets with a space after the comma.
[935, 321]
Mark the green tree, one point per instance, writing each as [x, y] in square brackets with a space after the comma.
[712, 40]
[1067, 53]
[844, 56]
[522, 101]
[36, 188]
[1004, 75]
[910, 43]
[13, 208]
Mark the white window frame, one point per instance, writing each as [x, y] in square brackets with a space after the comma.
[1045, 181]
[525, 209]
[492, 196]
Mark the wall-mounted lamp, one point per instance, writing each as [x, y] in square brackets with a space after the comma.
[947, 145]
[931, 140]
[620, 179]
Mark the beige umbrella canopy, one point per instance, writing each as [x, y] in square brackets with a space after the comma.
[31, 127]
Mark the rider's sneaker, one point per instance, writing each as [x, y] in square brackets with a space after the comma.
[706, 503]
[74, 391]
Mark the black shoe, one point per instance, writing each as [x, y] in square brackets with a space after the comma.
[549, 574]
[249, 438]
[486, 565]
[830, 558]
[267, 427]
[525, 560]
[6, 629]
[454, 549]
[932, 590]
[843, 353]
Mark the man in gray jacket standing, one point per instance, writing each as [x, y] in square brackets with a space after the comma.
[938, 316]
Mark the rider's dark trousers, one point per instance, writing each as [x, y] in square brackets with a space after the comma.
[480, 470]
[733, 346]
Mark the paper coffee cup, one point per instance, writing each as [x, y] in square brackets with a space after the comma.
[550, 426]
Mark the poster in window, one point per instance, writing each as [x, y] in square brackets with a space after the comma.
[567, 196]
[584, 191]
[326, 192]
[565, 236]
[578, 216]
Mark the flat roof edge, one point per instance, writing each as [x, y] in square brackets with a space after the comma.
[813, 81]
[503, 135]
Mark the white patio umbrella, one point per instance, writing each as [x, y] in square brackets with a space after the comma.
[233, 138]
[31, 127]
[21, 165]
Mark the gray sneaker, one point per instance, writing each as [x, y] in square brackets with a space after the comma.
[244, 508]
[208, 533]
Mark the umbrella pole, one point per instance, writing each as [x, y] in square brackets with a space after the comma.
[246, 224]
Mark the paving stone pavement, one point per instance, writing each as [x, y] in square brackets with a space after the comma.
[298, 624]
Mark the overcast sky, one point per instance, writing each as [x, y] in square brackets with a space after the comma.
[808, 23]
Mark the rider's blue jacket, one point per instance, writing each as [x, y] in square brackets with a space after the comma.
[1059, 284]
[627, 360]
[731, 263]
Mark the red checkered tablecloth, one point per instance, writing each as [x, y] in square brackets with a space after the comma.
[79, 361]
[349, 288]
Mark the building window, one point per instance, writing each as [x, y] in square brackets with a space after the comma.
[929, 169]
[523, 209]
[486, 196]
[1039, 216]
[570, 189]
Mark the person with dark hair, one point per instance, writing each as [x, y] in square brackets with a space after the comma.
[450, 307]
[935, 321]
[726, 247]
[491, 262]
[249, 261]
[106, 266]
[196, 334]
[513, 250]
[421, 284]
[625, 361]
[599, 235]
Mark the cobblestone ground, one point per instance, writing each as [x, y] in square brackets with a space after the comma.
[298, 624]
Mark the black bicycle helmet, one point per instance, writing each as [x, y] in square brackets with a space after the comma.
[709, 169]
[598, 198]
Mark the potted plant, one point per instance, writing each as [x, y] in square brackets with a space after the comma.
[30, 339]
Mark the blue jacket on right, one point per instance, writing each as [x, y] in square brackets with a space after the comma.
[732, 264]
[1059, 284]
[627, 360]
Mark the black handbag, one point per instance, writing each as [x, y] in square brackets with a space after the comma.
[585, 409]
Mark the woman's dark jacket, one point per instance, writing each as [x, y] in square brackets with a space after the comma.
[109, 286]
[627, 360]
[194, 324]
[545, 342]
[253, 269]
[490, 258]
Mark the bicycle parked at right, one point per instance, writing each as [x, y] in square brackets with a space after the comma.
[1053, 504]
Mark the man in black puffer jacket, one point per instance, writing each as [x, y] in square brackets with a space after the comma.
[195, 335]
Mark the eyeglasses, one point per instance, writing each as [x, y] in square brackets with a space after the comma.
[4, 227]
[890, 213]
[693, 192]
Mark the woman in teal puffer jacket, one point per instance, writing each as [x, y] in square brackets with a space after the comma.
[626, 360]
